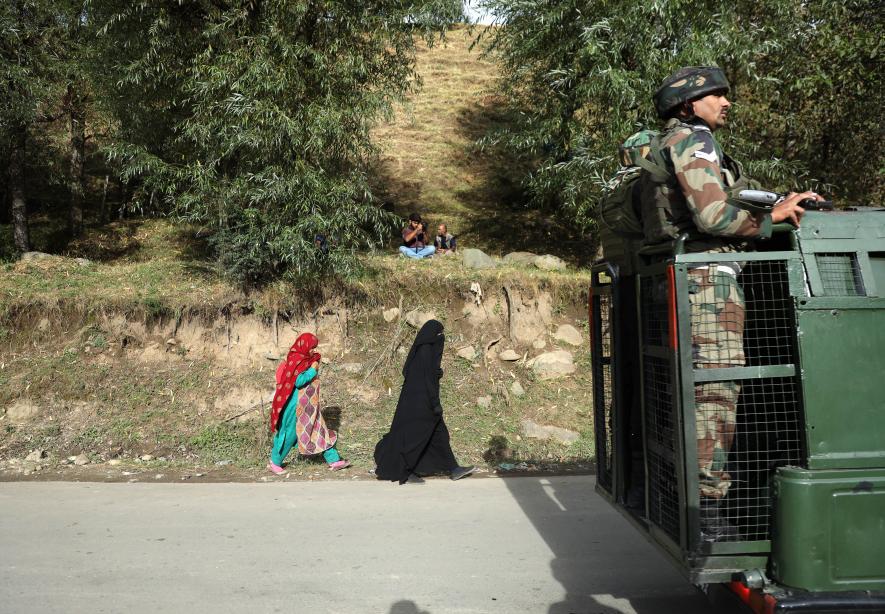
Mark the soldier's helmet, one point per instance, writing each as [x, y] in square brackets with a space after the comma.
[688, 84]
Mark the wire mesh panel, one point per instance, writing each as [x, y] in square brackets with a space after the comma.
[767, 436]
[655, 304]
[659, 406]
[742, 315]
[840, 274]
[769, 324]
[602, 386]
[663, 490]
[658, 392]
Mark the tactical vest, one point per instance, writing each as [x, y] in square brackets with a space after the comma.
[665, 212]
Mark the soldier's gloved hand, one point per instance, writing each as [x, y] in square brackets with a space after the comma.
[437, 410]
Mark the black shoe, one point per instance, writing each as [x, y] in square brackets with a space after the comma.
[462, 472]
[714, 526]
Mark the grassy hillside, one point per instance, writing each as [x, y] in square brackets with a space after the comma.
[429, 162]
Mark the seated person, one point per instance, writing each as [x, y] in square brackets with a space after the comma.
[445, 242]
[414, 239]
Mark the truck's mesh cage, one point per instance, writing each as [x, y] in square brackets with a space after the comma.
[663, 495]
[767, 436]
[769, 328]
[746, 428]
[840, 274]
[658, 392]
[663, 492]
[655, 299]
[658, 406]
[602, 386]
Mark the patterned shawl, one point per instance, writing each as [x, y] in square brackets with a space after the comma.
[301, 356]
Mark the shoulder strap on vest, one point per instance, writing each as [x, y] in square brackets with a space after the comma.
[656, 166]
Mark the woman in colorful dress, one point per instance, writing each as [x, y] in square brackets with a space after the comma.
[295, 417]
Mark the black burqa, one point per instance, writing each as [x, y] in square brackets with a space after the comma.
[418, 440]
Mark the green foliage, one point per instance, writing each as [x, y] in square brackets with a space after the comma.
[220, 442]
[579, 76]
[252, 118]
[28, 67]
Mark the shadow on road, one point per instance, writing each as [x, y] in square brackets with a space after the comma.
[601, 572]
[406, 606]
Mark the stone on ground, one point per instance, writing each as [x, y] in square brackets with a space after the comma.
[81, 459]
[484, 401]
[520, 258]
[539, 343]
[365, 395]
[552, 365]
[467, 353]
[516, 389]
[568, 334]
[351, 367]
[21, 411]
[534, 430]
[391, 314]
[29, 256]
[417, 318]
[509, 355]
[36, 455]
[548, 262]
[477, 259]
[529, 313]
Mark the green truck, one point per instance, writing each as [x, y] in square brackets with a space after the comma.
[806, 503]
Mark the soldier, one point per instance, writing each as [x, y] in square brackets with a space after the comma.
[692, 196]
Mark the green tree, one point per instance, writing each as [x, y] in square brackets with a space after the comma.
[44, 46]
[76, 60]
[28, 92]
[579, 75]
[252, 118]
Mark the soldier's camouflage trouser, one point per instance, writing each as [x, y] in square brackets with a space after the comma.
[717, 331]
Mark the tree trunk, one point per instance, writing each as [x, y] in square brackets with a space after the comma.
[103, 215]
[20, 232]
[77, 135]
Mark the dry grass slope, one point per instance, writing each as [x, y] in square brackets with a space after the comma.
[429, 162]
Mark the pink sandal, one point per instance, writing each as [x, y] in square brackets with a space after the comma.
[339, 464]
[274, 468]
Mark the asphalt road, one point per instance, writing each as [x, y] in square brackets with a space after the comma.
[517, 545]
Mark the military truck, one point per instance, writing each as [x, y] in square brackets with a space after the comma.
[807, 463]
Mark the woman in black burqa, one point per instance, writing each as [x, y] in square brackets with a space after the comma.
[418, 440]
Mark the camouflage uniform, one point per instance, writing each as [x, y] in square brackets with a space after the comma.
[717, 327]
[694, 199]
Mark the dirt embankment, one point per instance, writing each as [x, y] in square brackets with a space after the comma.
[108, 393]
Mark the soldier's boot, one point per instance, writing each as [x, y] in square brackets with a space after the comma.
[714, 526]
[635, 500]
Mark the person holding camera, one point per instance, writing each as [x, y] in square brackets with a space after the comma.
[415, 239]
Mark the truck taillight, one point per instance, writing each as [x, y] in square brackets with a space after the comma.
[671, 307]
[756, 600]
